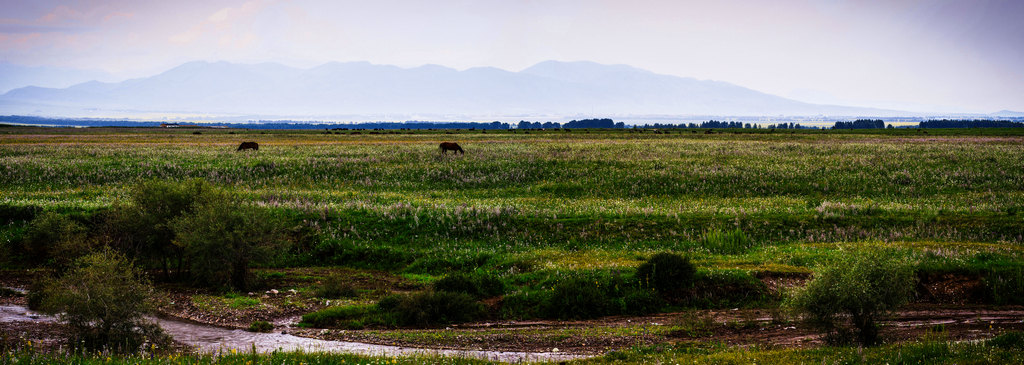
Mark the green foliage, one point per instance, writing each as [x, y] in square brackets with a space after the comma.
[143, 227]
[10, 212]
[725, 289]
[243, 302]
[1006, 284]
[666, 273]
[577, 299]
[437, 308]
[222, 237]
[335, 286]
[729, 242]
[479, 285]
[861, 287]
[55, 239]
[1013, 340]
[339, 316]
[103, 299]
[261, 326]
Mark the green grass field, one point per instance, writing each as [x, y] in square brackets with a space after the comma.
[535, 209]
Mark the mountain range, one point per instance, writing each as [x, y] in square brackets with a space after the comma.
[361, 88]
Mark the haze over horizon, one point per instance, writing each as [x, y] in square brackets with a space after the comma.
[929, 56]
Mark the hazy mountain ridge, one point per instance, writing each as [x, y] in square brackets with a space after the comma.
[550, 87]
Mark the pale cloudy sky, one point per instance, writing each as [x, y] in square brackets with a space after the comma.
[963, 55]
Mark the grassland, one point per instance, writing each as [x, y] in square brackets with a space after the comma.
[539, 208]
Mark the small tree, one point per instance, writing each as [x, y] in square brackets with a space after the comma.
[55, 239]
[861, 287]
[142, 228]
[103, 298]
[222, 237]
[666, 273]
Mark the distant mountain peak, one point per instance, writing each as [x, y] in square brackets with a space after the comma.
[363, 88]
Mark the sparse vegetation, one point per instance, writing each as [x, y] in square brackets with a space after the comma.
[103, 299]
[861, 289]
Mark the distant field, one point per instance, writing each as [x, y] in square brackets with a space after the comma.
[527, 192]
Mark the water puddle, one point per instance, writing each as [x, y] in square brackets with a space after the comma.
[216, 339]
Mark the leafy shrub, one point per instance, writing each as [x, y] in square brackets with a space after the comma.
[335, 286]
[577, 299]
[639, 302]
[437, 308]
[261, 326]
[729, 243]
[55, 239]
[103, 299]
[666, 273]
[332, 316]
[143, 228]
[477, 285]
[1013, 340]
[1006, 285]
[725, 289]
[222, 237]
[389, 302]
[526, 304]
[862, 287]
[10, 212]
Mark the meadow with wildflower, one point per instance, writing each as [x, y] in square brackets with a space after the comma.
[543, 211]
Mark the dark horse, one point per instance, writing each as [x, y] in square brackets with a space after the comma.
[451, 146]
[248, 146]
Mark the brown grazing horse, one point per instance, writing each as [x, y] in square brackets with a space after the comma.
[248, 146]
[451, 146]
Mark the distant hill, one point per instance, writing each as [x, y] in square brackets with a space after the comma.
[1007, 113]
[16, 76]
[360, 88]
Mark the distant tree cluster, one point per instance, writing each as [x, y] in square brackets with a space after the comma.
[415, 125]
[707, 124]
[860, 124]
[538, 125]
[790, 125]
[593, 123]
[952, 123]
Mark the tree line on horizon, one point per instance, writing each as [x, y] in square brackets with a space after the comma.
[522, 124]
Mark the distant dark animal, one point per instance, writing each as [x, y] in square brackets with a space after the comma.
[451, 146]
[248, 146]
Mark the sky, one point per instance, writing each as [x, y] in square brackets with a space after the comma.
[940, 55]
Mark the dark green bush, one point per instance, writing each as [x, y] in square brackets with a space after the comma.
[437, 308]
[577, 299]
[640, 302]
[261, 326]
[523, 305]
[1006, 285]
[1013, 340]
[142, 228]
[667, 273]
[54, 239]
[335, 286]
[861, 287]
[103, 299]
[333, 316]
[223, 237]
[389, 302]
[11, 213]
[478, 285]
[724, 289]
